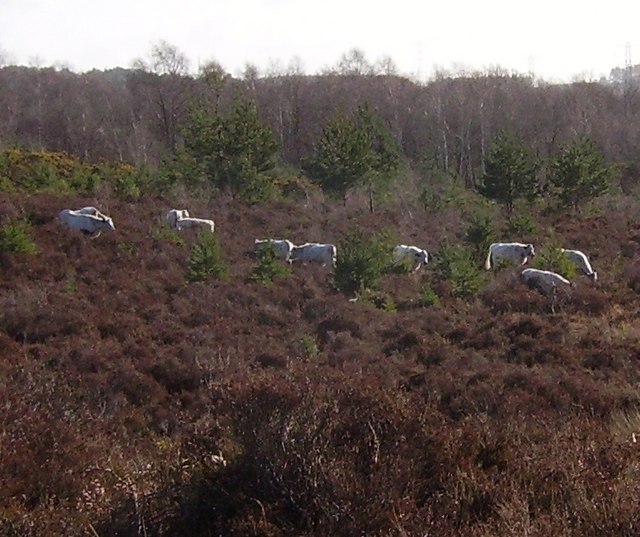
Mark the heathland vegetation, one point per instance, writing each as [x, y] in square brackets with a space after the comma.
[164, 383]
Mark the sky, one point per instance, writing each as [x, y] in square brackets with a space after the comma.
[557, 40]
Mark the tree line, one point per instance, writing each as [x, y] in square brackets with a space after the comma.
[350, 126]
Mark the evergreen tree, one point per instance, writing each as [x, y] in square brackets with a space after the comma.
[353, 150]
[235, 151]
[385, 154]
[510, 173]
[579, 174]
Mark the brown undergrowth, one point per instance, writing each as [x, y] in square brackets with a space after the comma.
[135, 403]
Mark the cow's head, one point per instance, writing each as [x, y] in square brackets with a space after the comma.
[109, 223]
[530, 250]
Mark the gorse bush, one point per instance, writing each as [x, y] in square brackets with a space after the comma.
[361, 262]
[206, 261]
[16, 238]
[268, 267]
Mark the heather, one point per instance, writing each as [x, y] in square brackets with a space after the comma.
[140, 401]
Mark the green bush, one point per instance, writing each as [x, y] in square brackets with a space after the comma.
[551, 258]
[268, 267]
[206, 261]
[428, 297]
[480, 234]
[16, 238]
[39, 171]
[361, 262]
[457, 265]
[521, 226]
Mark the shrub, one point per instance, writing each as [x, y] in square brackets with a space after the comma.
[362, 262]
[521, 226]
[37, 171]
[206, 260]
[428, 297]
[551, 258]
[16, 238]
[309, 346]
[268, 267]
[456, 265]
[479, 234]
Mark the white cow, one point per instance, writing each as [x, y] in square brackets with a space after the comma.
[174, 215]
[281, 247]
[581, 261]
[88, 220]
[197, 223]
[544, 280]
[418, 256]
[315, 252]
[91, 210]
[513, 252]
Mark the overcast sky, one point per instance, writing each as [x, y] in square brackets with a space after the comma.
[558, 40]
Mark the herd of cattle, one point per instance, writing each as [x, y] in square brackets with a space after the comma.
[92, 222]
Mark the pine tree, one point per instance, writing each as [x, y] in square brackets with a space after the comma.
[579, 174]
[235, 151]
[353, 150]
[510, 173]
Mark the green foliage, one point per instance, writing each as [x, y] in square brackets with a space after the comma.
[309, 346]
[161, 232]
[378, 299]
[551, 258]
[128, 182]
[353, 150]
[510, 172]
[428, 297]
[521, 226]
[45, 171]
[268, 267]
[178, 169]
[579, 174]
[456, 264]
[206, 261]
[361, 262]
[480, 234]
[16, 237]
[234, 151]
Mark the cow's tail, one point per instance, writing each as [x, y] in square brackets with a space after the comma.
[487, 263]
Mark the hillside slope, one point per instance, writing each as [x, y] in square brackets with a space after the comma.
[135, 403]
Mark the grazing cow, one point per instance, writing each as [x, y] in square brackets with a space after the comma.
[544, 280]
[418, 256]
[281, 247]
[88, 220]
[314, 252]
[581, 261]
[198, 223]
[513, 252]
[174, 215]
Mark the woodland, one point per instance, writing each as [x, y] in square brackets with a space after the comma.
[177, 384]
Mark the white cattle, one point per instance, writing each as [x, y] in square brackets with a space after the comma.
[88, 220]
[545, 280]
[315, 252]
[174, 215]
[512, 252]
[417, 256]
[281, 247]
[197, 223]
[581, 261]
